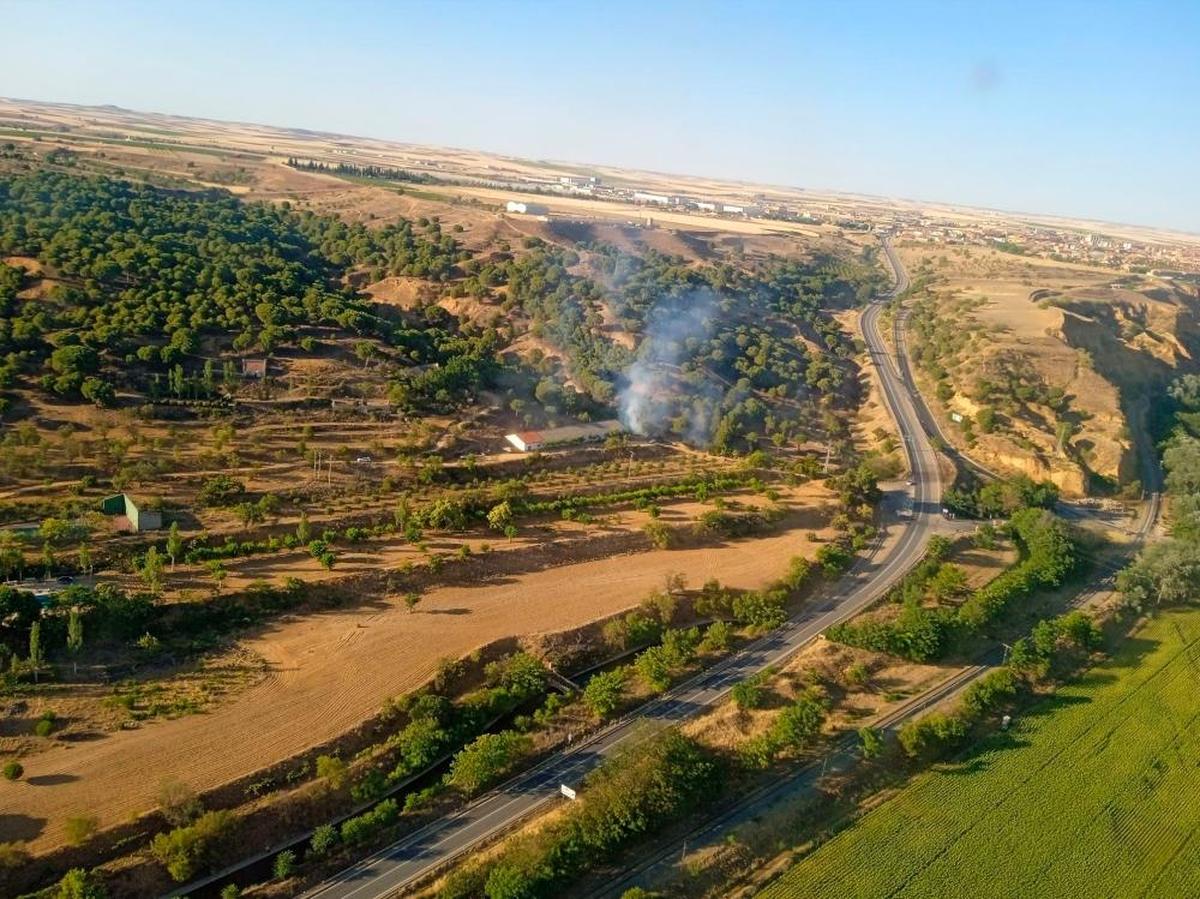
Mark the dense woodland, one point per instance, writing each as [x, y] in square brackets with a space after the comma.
[147, 275]
[155, 292]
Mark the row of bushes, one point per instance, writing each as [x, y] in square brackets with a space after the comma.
[447, 514]
[1055, 647]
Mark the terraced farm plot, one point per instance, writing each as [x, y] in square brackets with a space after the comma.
[1093, 793]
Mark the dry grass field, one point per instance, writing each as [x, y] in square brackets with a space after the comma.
[327, 672]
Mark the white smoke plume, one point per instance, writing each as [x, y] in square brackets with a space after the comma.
[652, 393]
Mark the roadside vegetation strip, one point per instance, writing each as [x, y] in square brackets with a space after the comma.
[1092, 793]
[921, 633]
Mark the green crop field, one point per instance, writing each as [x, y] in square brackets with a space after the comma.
[1095, 792]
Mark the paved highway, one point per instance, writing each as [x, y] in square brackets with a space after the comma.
[439, 842]
[657, 868]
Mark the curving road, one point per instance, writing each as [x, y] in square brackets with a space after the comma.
[658, 867]
[441, 841]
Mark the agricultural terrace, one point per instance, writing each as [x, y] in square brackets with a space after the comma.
[1092, 792]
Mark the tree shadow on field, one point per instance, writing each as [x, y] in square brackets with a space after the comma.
[981, 756]
[20, 828]
[1131, 653]
[51, 780]
[1051, 705]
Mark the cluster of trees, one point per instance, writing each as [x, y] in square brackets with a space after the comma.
[1167, 572]
[794, 728]
[565, 310]
[1006, 386]
[999, 499]
[922, 632]
[764, 337]
[349, 170]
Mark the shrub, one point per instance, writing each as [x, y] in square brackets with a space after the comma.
[13, 770]
[659, 533]
[324, 838]
[44, 727]
[749, 694]
[12, 855]
[81, 828]
[716, 637]
[285, 864]
[185, 851]
[364, 827]
[80, 884]
[177, 802]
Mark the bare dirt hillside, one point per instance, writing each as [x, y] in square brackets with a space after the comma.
[1047, 365]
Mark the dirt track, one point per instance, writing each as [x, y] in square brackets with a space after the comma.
[330, 671]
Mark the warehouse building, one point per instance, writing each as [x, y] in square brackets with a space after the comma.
[129, 516]
[529, 441]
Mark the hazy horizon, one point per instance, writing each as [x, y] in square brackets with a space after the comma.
[1053, 112]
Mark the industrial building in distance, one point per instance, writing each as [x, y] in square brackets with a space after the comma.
[528, 441]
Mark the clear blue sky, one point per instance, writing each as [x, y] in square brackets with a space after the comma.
[1076, 108]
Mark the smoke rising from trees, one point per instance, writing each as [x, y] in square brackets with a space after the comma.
[653, 399]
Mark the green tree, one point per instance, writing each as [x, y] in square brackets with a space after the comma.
[174, 543]
[412, 599]
[487, 758]
[216, 570]
[152, 570]
[186, 851]
[870, 742]
[324, 838]
[74, 635]
[35, 648]
[332, 770]
[500, 516]
[603, 692]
